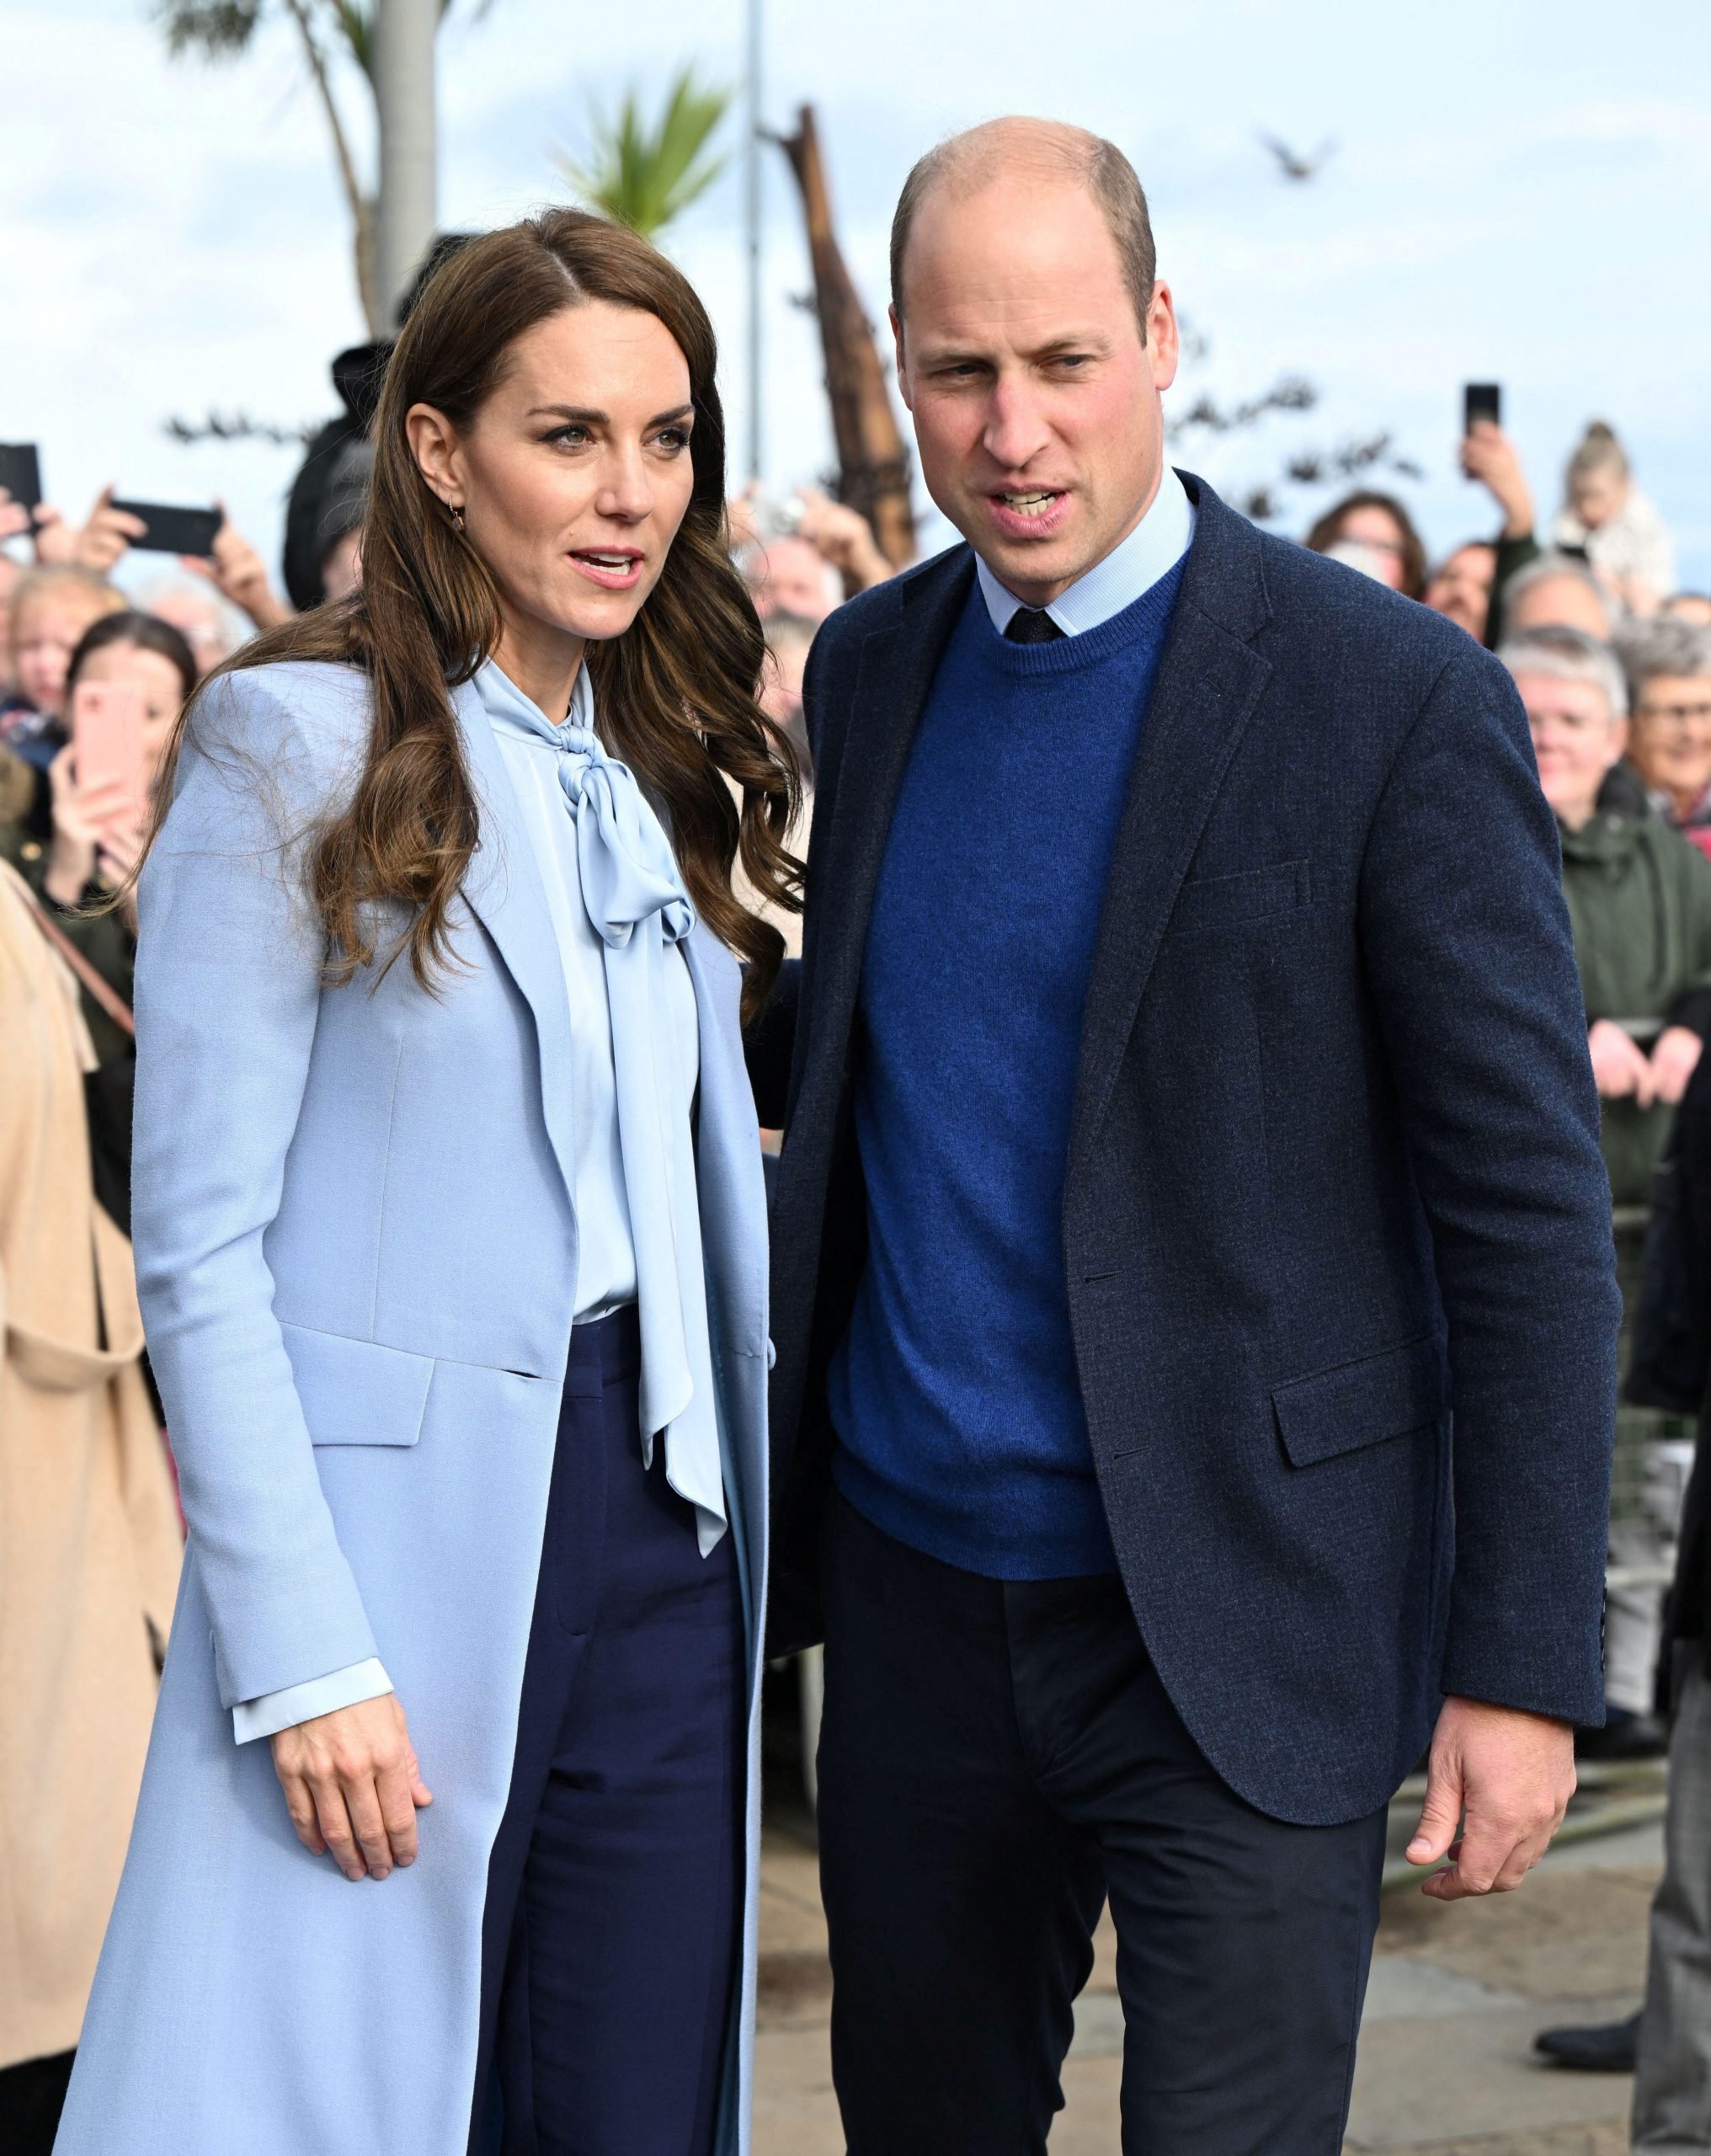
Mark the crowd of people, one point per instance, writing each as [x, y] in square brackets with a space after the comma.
[1612, 662]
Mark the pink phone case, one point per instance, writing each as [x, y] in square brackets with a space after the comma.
[107, 733]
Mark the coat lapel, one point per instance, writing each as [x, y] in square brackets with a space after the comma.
[893, 677]
[503, 891]
[1208, 683]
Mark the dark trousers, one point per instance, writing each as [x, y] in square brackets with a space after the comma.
[614, 1892]
[32, 2095]
[996, 1758]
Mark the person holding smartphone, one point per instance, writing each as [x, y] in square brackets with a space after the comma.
[450, 1238]
[127, 681]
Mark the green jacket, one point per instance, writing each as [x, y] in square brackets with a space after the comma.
[1639, 903]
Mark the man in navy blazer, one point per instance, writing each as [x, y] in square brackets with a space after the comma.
[1192, 1277]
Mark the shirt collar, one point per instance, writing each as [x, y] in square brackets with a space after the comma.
[1151, 550]
[513, 713]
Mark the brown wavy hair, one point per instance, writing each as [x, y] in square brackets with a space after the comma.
[1328, 529]
[675, 695]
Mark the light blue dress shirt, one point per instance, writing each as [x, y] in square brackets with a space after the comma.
[1152, 550]
[620, 911]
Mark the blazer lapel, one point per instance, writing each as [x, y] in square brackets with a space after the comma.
[503, 891]
[1208, 683]
[893, 677]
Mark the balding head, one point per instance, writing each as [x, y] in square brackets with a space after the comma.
[1048, 149]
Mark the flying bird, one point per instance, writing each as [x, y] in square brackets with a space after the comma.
[1293, 165]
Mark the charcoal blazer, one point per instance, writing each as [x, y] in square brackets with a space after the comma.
[1335, 1230]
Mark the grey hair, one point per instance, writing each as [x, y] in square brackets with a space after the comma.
[784, 627]
[1545, 569]
[1567, 655]
[1662, 646]
[967, 161]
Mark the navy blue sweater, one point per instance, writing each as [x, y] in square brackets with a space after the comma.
[954, 1394]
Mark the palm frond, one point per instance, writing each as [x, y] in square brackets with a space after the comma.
[645, 176]
[217, 29]
[356, 26]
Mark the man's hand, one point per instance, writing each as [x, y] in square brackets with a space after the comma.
[353, 1786]
[238, 574]
[1512, 1775]
[1674, 1058]
[1488, 455]
[1620, 1067]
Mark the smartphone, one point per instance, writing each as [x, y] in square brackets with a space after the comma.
[1481, 400]
[20, 472]
[107, 719]
[174, 531]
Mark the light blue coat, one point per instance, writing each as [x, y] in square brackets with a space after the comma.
[356, 1251]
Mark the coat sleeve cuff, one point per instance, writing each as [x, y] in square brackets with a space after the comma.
[319, 1696]
[1694, 1010]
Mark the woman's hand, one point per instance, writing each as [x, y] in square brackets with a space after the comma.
[353, 1786]
[87, 820]
[117, 857]
[1620, 1068]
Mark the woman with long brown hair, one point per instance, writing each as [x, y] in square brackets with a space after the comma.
[451, 1245]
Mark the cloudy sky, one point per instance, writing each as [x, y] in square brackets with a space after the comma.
[1521, 190]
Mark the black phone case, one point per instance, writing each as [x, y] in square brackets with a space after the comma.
[20, 472]
[174, 530]
[1482, 400]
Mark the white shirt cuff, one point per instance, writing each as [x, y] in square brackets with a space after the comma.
[321, 1696]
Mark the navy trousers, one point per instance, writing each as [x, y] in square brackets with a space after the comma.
[996, 1758]
[614, 1892]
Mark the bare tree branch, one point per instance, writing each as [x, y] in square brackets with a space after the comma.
[362, 205]
[1292, 394]
[240, 427]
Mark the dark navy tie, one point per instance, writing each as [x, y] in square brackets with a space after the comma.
[1033, 624]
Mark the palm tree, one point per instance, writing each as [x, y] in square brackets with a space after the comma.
[646, 177]
[225, 29]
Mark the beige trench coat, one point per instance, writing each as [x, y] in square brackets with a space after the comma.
[89, 1539]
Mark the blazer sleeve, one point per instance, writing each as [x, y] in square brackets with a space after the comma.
[228, 987]
[1471, 971]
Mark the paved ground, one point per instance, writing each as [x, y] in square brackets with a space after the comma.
[1456, 1998]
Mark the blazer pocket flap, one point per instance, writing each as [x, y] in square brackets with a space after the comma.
[356, 1392]
[1362, 1403]
[1226, 901]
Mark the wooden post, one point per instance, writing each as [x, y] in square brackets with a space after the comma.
[873, 464]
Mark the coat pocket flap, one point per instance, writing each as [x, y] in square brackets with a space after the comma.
[1255, 894]
[1362, 1403]
[356, 1392]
